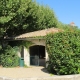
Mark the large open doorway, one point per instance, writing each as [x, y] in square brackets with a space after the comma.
[37, 55]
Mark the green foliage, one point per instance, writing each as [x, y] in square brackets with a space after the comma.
[64, 53]
[21, 43]
[20, 16]
[9, 57]
[67, 27]
[45, 18]
[27, 44]
[10, 13]
[0, 46]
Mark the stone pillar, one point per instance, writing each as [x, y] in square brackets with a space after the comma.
[26, 57]
[47, 58]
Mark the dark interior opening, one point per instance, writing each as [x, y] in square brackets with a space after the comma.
[37, 55]
[22, 52]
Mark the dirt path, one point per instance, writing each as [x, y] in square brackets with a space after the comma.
[24, 72]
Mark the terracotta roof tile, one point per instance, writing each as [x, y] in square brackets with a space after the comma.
[38, 33]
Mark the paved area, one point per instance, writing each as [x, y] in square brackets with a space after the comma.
[24, 72]
[32, 73]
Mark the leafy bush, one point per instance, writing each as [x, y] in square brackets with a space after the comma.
[9, 57]
[64, 53]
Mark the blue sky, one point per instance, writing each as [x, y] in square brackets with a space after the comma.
[67, 11]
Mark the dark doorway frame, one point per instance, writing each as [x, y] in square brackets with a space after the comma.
[37, 55]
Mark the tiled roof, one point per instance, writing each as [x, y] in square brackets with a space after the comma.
[38, 33]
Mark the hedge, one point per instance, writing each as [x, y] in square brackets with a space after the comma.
[9, 57]
[64, 53]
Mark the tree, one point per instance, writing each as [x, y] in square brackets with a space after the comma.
[11, 12]
[20, 16]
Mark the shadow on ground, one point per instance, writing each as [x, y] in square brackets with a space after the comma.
[44, 70]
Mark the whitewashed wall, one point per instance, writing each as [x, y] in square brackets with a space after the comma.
[27, 55]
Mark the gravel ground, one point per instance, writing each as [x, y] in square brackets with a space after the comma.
[24, 72]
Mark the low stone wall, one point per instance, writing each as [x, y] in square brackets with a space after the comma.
[67, 77]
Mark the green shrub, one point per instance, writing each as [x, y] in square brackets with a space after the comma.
[9, 57]
[64, 53]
